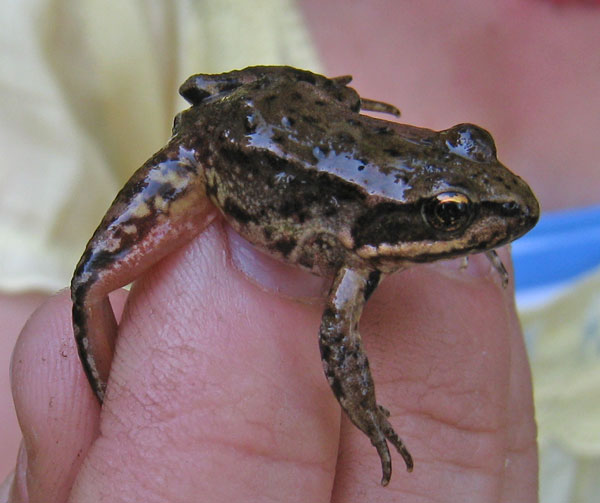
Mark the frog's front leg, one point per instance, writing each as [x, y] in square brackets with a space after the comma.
[346, 365]
[162, 206]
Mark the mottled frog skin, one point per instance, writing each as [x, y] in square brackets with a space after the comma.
[288, 160]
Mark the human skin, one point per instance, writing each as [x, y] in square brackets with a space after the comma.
[14, 311]
[526, 72]
[217, 389]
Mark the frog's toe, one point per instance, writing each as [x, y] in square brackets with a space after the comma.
[384, 455]
[382, 431]
[384, 411]
[397, 442]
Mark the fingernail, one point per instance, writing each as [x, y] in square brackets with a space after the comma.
[274, 275]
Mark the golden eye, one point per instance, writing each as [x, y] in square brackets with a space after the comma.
[448, 211]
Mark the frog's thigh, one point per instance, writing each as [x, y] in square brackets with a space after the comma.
[113, 259]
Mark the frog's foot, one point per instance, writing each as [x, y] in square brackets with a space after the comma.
[347, 367]
[498, 265]
[161, 207]
[378, 430]
[374, 423]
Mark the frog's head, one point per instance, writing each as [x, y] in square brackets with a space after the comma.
[461, 200]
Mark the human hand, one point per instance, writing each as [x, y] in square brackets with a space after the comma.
[217, 393]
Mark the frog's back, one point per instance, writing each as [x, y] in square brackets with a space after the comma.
[298, 171]
[262, 164]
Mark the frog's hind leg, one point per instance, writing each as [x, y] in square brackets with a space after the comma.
[161, 207]
[346, 365]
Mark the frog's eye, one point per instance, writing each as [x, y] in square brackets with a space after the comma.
[471, 142]
[448, 211]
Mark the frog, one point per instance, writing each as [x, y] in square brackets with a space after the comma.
[290, 161]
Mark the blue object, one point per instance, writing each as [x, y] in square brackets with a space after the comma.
[561, 248]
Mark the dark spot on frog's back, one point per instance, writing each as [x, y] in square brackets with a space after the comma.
[235, 157]
[290, 207]
[285, 246]
[345, 138]
[237, 212]
[323, 149]
[267, 233]
[384, 131]
[400, 178]
[250, 124]
[311, 119]
[279, 139]
[306, 261]
[305, 77]
[330, 209]
[355, 107]
[394, 152]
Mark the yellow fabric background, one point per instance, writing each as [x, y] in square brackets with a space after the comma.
[563, 342]
[88, 93]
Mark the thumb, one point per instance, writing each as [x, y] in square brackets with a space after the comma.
[57, 413]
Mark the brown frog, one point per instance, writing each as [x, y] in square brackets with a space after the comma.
[291, 164]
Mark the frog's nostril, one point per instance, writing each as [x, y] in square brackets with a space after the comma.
[511, 208]
[533, 212]
[529, 215]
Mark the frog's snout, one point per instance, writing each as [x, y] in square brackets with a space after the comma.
[530, 208]
[523, 209]
[531, 213]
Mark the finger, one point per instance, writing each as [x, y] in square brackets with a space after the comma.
[521, 475]
[440, 347]
[13, 489]
[57, 414]
[6, 488]
[216, 389]
[15, 309]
